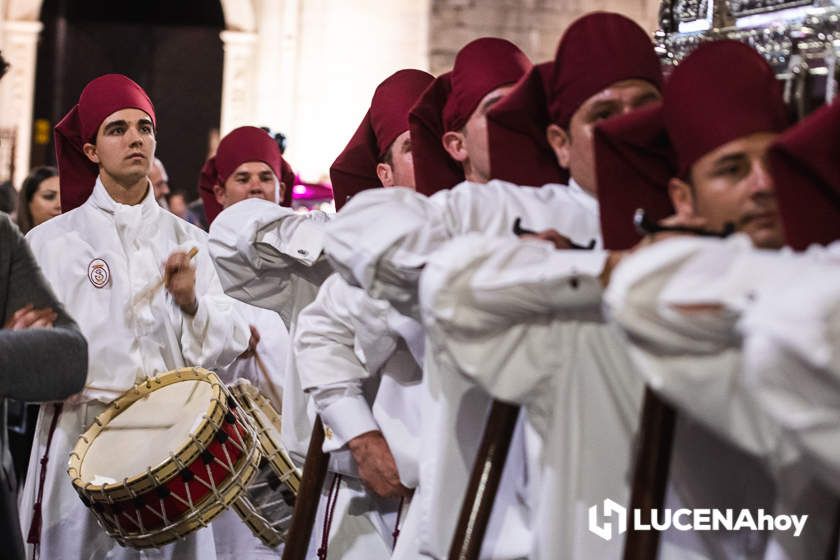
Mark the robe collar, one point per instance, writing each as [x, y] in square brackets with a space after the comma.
[589, 201]
[102, 200]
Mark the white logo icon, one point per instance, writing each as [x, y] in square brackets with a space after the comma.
[611, 510]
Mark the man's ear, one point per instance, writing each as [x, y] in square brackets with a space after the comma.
[219, 193]
[682, 197]
[385, 174]
[455, 145]
[281, 190]
[90, 151]
[560, 144]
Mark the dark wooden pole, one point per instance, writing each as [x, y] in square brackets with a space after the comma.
[650, 478]
[834, 536]
[306, 502]
[484, 481]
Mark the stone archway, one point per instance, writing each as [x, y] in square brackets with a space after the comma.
[20, 27]
[239, 41]
[239, 15]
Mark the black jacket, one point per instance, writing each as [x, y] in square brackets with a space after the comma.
[35, 364]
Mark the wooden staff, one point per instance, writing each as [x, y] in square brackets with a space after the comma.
[484, 481]
[275, 394]
[834, 536]
[489, 463]
[306, 502]
[656, 429]
[650, 479]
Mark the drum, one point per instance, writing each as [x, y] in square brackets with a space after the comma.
[269, 500]
[164, 458]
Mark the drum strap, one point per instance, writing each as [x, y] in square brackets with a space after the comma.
[396, 533]
[332, 499]
[34, 536]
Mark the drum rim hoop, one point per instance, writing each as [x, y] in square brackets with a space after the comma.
[167, 469]
[259, 526]
[249, 397]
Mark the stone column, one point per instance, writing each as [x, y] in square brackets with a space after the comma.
[17, 90]
[238, 80]
[276, 57]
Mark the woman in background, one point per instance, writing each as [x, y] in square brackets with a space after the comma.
[39, 198]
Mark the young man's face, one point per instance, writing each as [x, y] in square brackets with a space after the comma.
[252, 179]
[398, 168]
[125, 146]
[470, 146]
[574, 147]
[731, 184]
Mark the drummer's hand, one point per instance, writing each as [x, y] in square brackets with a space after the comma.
[377, 468]
[559, 240]
[252, 343]
[180, 281]
[27, 317]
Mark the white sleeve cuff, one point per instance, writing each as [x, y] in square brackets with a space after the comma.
[298, 237]
[345, 419]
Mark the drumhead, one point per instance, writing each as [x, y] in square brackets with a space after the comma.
[146, 432]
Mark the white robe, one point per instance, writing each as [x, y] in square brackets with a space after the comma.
[679, 302]
[524, 322]
[126, 343]
[791, 358]
[270, 256]
[359, 360]
[273, 349]
[381, 240]
[358, 357]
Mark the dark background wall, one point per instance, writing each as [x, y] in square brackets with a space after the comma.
[172, 49]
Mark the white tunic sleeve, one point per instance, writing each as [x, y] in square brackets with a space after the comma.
[381, 238]
[266, 369]
[344, 411]
[268, 255]
[679, 302]
[331, 363]
[218, 332]
[492, 306]
[792, 363]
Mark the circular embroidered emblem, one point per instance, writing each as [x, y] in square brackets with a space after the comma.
[98, 273]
